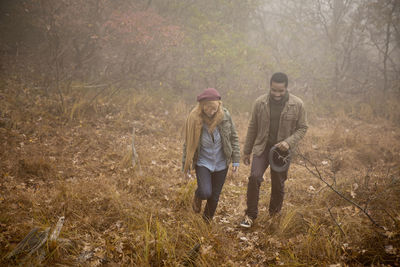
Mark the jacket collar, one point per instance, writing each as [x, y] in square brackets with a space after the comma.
[226, 116]
[290, 101]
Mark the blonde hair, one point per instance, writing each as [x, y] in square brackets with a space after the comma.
[193, 126]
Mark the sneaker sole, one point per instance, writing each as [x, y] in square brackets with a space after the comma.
[245, 225]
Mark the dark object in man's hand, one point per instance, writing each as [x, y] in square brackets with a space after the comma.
[279, 160]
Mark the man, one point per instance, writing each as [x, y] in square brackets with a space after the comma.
[278, 118]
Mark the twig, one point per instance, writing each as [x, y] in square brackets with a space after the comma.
[23, 245]
[387, 173]
[317, 174]
[135, 157]
[105, 87]
[192, 255]
[337, 224]
[56, 232]
[367, 203]
[99, 93]
[391, 217]
[42, 239]
[367, 177]
[90, 86]
[114, 92]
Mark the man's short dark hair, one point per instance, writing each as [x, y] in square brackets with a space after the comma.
[279, 77]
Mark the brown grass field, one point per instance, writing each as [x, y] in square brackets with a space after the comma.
[77, 163]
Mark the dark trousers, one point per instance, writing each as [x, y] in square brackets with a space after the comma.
[258, 167]
[209, 186]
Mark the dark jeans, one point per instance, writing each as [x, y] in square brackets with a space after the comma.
[258, 167]
[209, 186]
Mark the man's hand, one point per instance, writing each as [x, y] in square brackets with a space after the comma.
[283, 146]
[246, 160]
[235, 168]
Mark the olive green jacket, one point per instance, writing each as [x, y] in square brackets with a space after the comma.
[292, 124]
[229, 138]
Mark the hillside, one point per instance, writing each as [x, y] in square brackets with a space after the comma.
[78, 164]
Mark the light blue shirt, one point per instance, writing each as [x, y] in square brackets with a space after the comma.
[211, 153]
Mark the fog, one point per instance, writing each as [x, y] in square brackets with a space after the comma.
[331, 49]
[94, 96]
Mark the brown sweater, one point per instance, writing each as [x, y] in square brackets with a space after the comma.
[275, 110]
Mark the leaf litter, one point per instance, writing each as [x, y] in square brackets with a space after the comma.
[114, 215]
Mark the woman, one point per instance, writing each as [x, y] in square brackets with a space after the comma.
[211, 144]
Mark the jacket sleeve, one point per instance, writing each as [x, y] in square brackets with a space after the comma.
[251, 131]
[234, 143]
[301, 128]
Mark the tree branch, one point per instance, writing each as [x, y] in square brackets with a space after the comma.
[317, 174]
[337, 224]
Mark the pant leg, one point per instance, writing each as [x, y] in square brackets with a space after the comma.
[277, 191]
[204, 186]
[217, 181]
[258, 166]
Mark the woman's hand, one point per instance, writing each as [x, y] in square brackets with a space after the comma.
[235, 171]
[187, 176]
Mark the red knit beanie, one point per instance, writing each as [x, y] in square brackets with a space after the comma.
[209, 94]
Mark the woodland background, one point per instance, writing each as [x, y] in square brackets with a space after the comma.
[80, 79]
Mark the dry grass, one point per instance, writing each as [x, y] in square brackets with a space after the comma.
[77, 164]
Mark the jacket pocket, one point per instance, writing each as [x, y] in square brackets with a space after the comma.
[289, 117]
[288, 123]
[291, 113]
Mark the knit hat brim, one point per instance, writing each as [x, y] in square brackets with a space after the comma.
[209, 94]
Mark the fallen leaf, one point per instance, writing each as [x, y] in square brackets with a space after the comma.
[389, 249]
